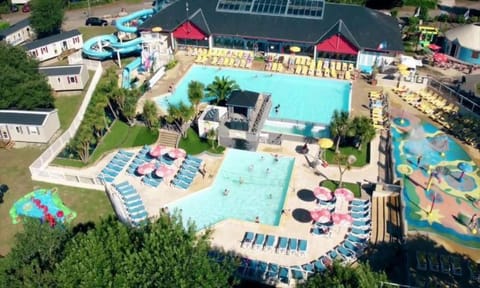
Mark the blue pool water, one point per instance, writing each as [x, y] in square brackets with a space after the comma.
[300, 98]
[261, 193]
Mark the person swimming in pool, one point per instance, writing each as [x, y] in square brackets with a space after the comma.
[225, 192]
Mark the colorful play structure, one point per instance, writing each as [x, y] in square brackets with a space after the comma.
[427, 35]
[112, 46]
[43, 204]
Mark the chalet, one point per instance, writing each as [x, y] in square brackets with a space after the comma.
[53, 46]
[66, 78]
[18, 33]
[28, 126]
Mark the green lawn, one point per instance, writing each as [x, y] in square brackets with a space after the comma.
[120, 136]
[332, 185]
[363, 157]
[92, 31]
[67, 109]
[194, 145]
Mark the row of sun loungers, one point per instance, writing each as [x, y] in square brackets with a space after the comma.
[270, 273]
[283, 245]
[187, 172]
[439, 263]
[378, 110]
[115, 166]
[132, 202]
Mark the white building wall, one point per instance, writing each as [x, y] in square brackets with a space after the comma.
[205, 126]
[53, 50]
[34, 134]
[20, 36]
[69, 82]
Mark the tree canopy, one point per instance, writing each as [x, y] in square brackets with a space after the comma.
[47, 17]
[159, 254]
[360, 276]
[23, 87]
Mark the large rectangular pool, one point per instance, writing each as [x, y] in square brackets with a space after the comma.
[305, 99]
[257, 185]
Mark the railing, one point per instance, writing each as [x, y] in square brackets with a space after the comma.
[39, 168]
[454, 96]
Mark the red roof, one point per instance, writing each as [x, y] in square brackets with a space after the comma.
[337, 44]
[189, 31]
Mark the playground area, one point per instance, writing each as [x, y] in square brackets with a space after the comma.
[440, 193]
[43, 204]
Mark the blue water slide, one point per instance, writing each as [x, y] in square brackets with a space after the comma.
[132, 66]
[106, 46]
[139, 16]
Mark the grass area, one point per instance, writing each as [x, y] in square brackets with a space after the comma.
[332, 185]
[67, 108]
[193, 144]
[92, 31]
[478, 88]
[88, 204]
[362, 155]
[120, 136]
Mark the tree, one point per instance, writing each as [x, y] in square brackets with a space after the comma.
[82, 142]
[47, 17]
[212, 137]
[32, 261]
[339, 126]
[363, 129]
[195, 93]
[180, 114]
[150, 114]
[344, 163]
[360, 276]
[221, 88]
[424, 5]
[23, 87]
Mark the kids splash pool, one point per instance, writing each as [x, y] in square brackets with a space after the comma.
[437, 197]
[256, 185]
[305, 99]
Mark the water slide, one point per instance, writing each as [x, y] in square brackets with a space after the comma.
[107, 46]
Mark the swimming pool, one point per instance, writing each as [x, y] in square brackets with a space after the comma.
[305, 99]
[257, 186]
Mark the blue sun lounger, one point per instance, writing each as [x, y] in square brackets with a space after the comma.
[272, 273]
[193, 158]
[297, 273]
[308, 268]
[252, 268]
[134, 210]
[247, 239]
[357, 249]
[187, 173]
[184, 178]
[262, 269]
[356, 209]
[319, 265]
[346, 253]
[360, 215]
[109, 172]
[125, 192]
[360, 202]
[180, 184]
[126, 153]
[131, 198]
[283, 275]
[282, 245]
[269, 243]
[139, 216]
[302, 247]
[259, 241]
[362, 223]
[356, 240]
[106, 178]
[292, 246]
[361, 231]
[193, 164]
[189, 168]
[122, 184]
[134, 203]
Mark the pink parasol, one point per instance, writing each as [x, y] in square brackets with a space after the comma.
[146, 168]
[440, 57]
[434, 47]
[323, 193]
[345, 193]
[164, 171]
[177, 153]
[321, 216]
[157, 151]
[342, 218]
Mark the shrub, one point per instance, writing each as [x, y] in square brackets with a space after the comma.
[171, 64]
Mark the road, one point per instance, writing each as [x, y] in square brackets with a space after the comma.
[76, 18]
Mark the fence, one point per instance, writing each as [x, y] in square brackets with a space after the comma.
[39, 168]
[453, 96]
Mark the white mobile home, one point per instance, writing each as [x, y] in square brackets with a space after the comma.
[18, 33]
[15, 2]
[66, 78]
[28, 126]
[52, 46]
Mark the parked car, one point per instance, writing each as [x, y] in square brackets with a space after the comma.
[95, 21]
[14, 9]
[26, 8]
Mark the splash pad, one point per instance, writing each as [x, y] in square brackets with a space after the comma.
[44, 204]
